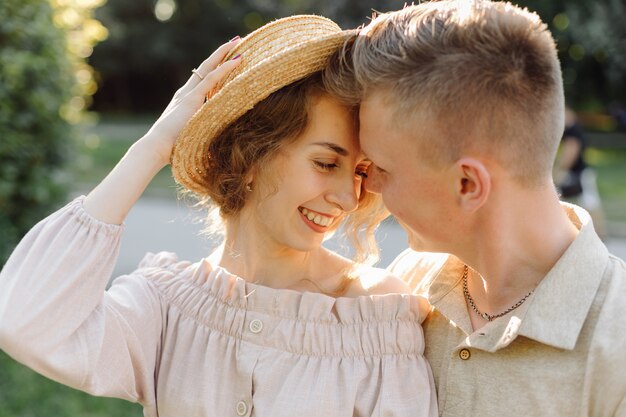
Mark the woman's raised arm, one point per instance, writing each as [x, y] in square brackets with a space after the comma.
[55, 315]
[113, 198]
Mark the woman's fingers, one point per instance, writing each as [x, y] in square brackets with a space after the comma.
[187, 101]
[217, 56]
[214, 77]
[208, 65]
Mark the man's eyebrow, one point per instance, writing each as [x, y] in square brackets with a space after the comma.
[333, 147]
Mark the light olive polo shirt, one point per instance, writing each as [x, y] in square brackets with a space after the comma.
[562, 353]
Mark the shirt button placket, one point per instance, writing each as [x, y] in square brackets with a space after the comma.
[255, 327]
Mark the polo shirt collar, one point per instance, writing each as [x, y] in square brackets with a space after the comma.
[554, 314]
[445, 293]
[562, 300]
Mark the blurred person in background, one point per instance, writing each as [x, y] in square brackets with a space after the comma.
[618, 112]
[574, 179]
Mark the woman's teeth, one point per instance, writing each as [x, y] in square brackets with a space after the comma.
[317, 218]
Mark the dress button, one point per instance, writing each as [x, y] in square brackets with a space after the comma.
[464, 354]
[256, 326]
[242, 408]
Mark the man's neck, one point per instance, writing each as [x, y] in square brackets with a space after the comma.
[517, 242]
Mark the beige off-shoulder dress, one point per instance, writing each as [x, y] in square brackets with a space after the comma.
[185, 339]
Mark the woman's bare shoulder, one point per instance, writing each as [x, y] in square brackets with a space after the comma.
[369, 280]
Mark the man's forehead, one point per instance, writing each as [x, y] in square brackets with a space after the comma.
[374, 114]
[375, 130]
[377, 97]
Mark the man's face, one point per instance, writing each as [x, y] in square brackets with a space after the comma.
[418, 194]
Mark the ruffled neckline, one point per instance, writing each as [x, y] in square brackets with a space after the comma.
[188, 283]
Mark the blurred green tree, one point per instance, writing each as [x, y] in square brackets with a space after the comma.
[598, 41]
[44, 86]
[154, 43]
[35, 82]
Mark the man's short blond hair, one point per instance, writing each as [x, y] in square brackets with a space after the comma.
[485, 73]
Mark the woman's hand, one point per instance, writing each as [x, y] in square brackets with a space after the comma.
[113, 198]
[187, 100]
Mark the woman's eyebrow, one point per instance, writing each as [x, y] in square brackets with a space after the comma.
[333, 147]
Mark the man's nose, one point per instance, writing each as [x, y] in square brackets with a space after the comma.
[372, 182]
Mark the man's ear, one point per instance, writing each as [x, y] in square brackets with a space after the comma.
[473, 183]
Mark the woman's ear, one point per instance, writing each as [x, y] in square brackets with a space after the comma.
[473, 183]
[249, 179]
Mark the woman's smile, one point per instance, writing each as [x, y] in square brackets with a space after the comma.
[317, 221]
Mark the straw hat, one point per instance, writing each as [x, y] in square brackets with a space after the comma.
[274, 56]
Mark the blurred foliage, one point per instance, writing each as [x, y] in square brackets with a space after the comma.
[154, 43]
[591, 38]
[35, 82]
[44, 87]
[82, 32]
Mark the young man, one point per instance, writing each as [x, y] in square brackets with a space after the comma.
[461, 114]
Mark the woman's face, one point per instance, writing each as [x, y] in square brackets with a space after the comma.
[314, 181]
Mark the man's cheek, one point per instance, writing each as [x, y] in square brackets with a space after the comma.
[393, 202]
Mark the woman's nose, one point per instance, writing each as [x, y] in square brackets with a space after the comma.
[345, 193]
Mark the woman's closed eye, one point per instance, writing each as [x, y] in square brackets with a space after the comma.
[360, 171]
[326, 166]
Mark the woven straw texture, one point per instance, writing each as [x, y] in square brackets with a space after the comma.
[274, 56]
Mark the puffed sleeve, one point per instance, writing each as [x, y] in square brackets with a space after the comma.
[56, 317]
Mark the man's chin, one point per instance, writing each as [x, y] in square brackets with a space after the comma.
[415, 243]
[418, 246]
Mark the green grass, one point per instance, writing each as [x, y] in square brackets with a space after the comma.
[23, 393]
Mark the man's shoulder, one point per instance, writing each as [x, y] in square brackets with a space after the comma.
[605, 342]
[611, 302]
[602, 335]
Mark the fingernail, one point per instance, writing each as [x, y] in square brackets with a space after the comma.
[236, 57]
[234, 39]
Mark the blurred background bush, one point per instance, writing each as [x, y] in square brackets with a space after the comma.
[35, 83]
[45, 83]
[153, 43]
[82, 79]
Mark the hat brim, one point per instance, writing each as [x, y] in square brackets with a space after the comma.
[240, 94]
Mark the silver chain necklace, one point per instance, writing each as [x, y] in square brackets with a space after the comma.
[486, 316]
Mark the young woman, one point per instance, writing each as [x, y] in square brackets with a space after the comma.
[271, 323]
